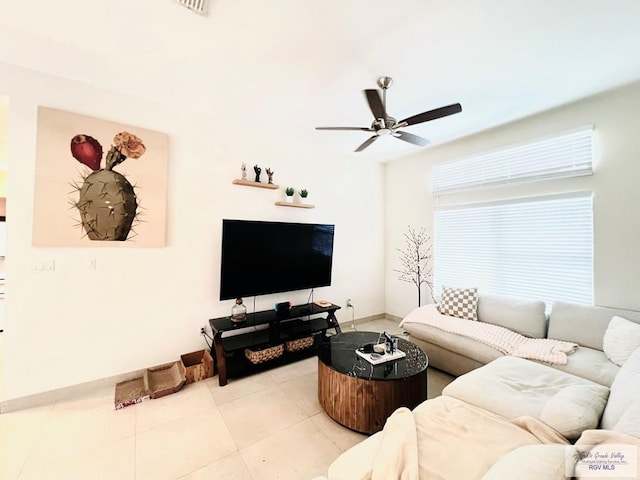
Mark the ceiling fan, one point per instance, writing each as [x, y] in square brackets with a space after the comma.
[383, 124]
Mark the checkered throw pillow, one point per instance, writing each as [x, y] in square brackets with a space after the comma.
[459, 302]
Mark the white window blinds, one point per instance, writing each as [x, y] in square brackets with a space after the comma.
[539, 248]
[564, 155]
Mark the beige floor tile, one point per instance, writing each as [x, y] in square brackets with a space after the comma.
[178, 448]
[380, 326]
[113, 460]
[288, 372]
[239, 387]
[74, 430]
[190, 399]
[301, 451]
[231, 467]
[343, 437]
[303, 391]
[436, 381]
[19, 432]
[254, 417]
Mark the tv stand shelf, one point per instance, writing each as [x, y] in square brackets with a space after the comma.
[264, 329]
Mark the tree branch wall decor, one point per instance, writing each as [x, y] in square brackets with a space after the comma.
[416, 260]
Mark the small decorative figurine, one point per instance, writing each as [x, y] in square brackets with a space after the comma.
[270, 175]
[257, 169]
[244, 171]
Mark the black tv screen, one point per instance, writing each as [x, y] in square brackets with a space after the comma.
[259, 257]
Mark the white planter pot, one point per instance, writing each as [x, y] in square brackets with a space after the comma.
[289, 199]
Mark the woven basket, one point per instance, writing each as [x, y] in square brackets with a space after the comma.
[265, 354]
[298, 344]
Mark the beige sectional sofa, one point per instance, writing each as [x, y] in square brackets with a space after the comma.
[585, 326]
[507, 417]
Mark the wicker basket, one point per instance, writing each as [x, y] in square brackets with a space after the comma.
[298, 344]
[265, 354]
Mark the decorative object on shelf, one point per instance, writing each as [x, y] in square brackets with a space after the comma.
[257, 170]
[238, 311]
[290, 191]
[118, 172]
[416, 260]
[262, 355]
[244, 171]
[304, 193]
[270, 175]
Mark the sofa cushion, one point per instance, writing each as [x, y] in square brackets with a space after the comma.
[591, 364]
[625, 390]
[514, 387]
[526, 317]
[575, 409]
[629, 422]
[532, 462]
[584, 325]
[459, 302]
[621, 339]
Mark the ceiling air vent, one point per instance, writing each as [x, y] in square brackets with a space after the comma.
[198, 6]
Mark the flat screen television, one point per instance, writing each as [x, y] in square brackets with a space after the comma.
[260, 257]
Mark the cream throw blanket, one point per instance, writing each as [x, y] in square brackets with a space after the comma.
[506, 341]
[442, 439]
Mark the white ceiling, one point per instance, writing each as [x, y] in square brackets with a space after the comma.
[282, 67]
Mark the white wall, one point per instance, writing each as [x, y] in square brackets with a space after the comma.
[615, 185]
[144, 307]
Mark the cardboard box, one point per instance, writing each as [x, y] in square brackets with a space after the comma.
[165, 379]
[199, 365]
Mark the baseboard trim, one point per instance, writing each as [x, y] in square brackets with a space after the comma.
[395, 318]
[65, 393]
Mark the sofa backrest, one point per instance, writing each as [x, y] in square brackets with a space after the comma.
[584, 325]
[526, 317]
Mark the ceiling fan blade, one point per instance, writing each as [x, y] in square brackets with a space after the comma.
[432, 115]
[367, 142]
[411, 138]
[375, 104]
[364, 129]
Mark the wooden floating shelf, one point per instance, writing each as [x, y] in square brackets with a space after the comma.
[296, 205]
[249, 183]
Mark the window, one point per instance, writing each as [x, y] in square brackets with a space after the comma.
[565, 155]
[539, 248]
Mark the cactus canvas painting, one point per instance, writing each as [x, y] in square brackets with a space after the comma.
[102, 185]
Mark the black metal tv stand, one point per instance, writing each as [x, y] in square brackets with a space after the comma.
[264, 329]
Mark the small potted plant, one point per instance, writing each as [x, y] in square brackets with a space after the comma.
[303, 194]
[289, 191]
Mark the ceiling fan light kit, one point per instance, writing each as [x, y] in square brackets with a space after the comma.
[385, 125]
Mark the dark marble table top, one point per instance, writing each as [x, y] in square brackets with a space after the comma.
[339, 353]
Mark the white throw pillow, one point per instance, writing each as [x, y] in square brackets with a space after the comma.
[621, 339]
[625, 390]
[459, 302]
[575, 408]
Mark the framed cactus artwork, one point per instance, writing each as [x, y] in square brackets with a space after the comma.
[98, 183]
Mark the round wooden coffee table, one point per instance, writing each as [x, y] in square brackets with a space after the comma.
[360, 395]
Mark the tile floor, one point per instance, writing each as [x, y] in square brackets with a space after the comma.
[267, 426]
